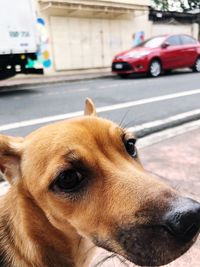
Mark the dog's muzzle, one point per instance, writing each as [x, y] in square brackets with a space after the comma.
[160, 242]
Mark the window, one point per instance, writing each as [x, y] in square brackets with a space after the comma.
[187, 40]
[174, 40]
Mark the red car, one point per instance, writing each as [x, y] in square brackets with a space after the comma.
[159, 54]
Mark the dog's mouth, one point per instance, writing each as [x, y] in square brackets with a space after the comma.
[146, 245]
[152, 245]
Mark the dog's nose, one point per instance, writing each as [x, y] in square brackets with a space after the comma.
[183, 220]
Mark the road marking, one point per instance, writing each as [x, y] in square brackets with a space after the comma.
[148, 100]
[99, 110]
[26, 123]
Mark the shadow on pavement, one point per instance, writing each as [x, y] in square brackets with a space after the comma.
[144, 75]
[18, 92]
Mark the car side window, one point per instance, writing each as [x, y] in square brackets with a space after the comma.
[186, 40]
[174, 40]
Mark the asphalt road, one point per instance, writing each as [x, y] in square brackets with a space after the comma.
[139, 100]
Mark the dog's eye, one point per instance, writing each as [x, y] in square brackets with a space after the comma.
[131, 148]
[68, 181]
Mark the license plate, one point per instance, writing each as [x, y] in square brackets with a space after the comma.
[118, 66]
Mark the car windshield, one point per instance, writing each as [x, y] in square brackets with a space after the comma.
[153, 42]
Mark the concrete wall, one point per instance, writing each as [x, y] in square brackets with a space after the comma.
[103, 2]
[163, 28]
[141, 23]
[131, 2]
[86, 39]
[81, 43]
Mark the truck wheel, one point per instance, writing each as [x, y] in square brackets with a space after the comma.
[155, 68]
[196, 67]
[5, 74]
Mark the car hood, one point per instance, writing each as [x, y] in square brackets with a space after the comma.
[134, 52]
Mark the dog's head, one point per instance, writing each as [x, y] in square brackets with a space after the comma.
[86, 172]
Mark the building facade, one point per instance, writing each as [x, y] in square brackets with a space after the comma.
[86, 34]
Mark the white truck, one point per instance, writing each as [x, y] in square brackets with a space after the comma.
[18, 37]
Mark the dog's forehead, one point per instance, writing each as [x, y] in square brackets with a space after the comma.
[85, 130]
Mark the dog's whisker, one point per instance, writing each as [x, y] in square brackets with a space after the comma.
[122, 261]
[87, 252]
[130, 123]
[124, 117]
[101, 262]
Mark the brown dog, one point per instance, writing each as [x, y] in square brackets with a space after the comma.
[78, 184]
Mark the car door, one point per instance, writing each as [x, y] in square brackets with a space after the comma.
[189, 50]
[171, 54]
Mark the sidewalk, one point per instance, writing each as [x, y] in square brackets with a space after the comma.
[178, 160]
[71, 76]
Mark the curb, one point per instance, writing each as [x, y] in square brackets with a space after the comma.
[151, 130]
[49, 82]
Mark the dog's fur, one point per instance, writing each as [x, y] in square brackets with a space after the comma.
[117, 206]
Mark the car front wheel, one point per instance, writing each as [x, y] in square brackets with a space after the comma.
[155, 68]
[196, 67]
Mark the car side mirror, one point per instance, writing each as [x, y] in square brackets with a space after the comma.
[165, 45]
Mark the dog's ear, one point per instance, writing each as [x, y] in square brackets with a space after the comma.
[11, 149]
[90, 108]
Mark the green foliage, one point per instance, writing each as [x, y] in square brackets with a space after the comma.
[176, 5]
[161, 5]
[193, 4]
